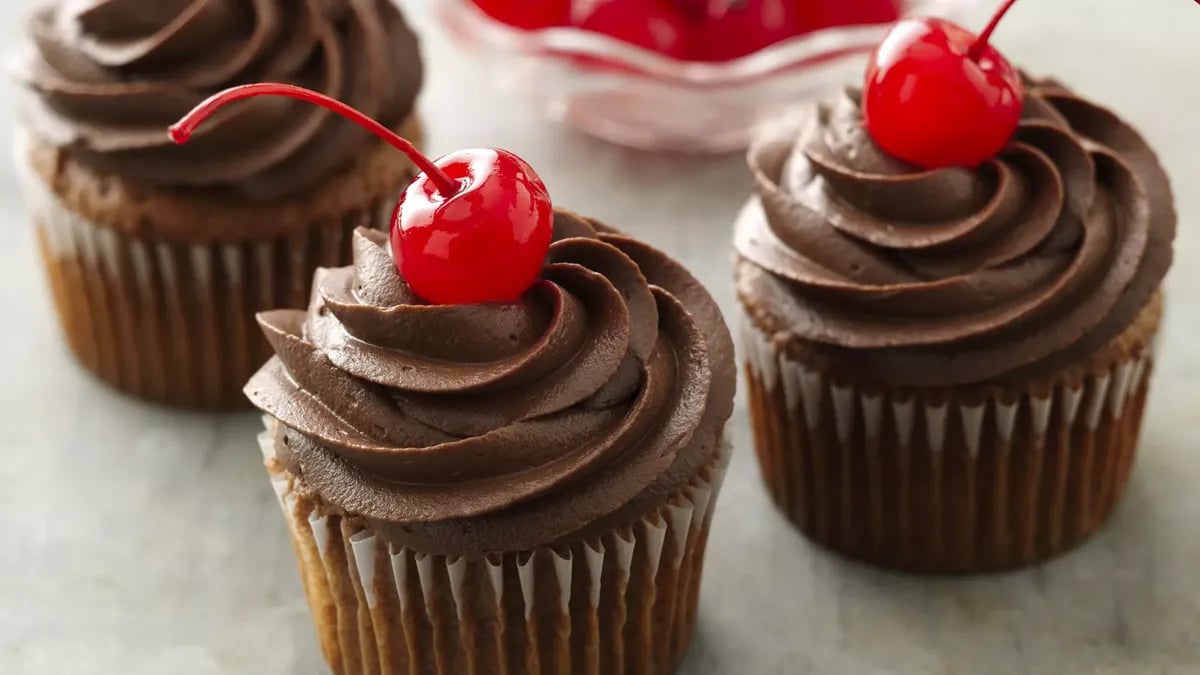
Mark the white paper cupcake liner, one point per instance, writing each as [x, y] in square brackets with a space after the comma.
[622, 603]
[945, 481]
[174, 322]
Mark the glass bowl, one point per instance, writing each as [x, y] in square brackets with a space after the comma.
[638, 98]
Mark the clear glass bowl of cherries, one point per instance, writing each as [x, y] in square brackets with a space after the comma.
[678, 75]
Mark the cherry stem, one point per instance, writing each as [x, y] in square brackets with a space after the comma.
[181, 132]
[981, 42]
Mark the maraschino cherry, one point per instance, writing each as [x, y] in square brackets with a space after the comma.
[527, 14]
[731, 29]
[938, 96]
[657, 25]
[474, 226]
[829, 13]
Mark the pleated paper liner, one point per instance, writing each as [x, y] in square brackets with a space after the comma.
[173, 322]
[949, 481]
[623, 603]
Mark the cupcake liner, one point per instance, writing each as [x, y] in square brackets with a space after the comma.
[174, 322]
[621, 602]
[946, 481]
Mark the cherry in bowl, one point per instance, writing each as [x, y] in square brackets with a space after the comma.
[527, 14]
[710, 102]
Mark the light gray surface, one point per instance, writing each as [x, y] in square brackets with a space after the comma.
[144, 541]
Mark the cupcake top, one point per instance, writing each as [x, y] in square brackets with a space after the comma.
[953, 276]
[108, 76]
[465, 429]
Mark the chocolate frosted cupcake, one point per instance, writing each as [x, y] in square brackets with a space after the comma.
[948, 367]
[516, 487]
[157, 256]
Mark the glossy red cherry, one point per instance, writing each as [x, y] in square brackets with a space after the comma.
[527, 14]
[819, 14]
[694, 10]
[474, 226]
[732, 29]
[486, 243]
[657, 25]
[938, 96]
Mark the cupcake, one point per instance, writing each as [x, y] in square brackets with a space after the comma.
[497, 437]
[159, 257]
[948, 366]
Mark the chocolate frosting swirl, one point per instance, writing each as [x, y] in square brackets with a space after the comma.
[473, 428]
[939, 278]
[109, 76]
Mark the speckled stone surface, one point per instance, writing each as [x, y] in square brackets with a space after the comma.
[143, 541]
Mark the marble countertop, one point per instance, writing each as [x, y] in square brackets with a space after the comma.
[145, 541]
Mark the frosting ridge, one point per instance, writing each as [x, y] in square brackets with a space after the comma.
[956, 276]
[501, 426]
[108, 77]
